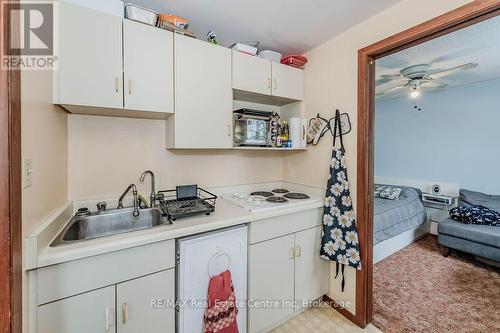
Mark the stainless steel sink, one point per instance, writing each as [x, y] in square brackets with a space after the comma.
[108, 223]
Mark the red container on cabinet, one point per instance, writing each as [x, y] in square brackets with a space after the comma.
[295, 61]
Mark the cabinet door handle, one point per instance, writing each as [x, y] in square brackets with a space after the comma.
[292, 253]
[129, 86]
[275, 84]
[228, 130]
[124, 313]
[117, 84]
[109, 318]
[298, 251]
[268, 83]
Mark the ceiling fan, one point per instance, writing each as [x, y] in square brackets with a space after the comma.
[417, 77]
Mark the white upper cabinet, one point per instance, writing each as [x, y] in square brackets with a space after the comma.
[288, 81]
[148, 68]
[255, 75]
[203, 96]
[251, 73]
[89, 58]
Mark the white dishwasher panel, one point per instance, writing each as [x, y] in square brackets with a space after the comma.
[195, 254]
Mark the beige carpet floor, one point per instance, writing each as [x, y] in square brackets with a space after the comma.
[419, 290]
[322, 320]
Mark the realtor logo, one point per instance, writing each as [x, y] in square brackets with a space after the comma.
[31, 44]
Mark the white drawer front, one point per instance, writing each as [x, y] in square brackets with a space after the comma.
[78, 276]
[282, 225]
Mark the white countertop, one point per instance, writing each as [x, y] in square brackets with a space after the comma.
[226, 214]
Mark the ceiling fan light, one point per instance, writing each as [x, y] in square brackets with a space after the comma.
[414, 93]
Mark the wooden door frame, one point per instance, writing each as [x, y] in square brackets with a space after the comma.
[459, 18]
[10, 186]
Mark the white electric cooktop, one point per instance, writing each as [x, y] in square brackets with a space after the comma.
[265, 199]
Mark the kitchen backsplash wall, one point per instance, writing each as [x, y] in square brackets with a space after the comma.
[105, 154]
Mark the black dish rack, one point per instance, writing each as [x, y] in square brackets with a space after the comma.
[186, 201]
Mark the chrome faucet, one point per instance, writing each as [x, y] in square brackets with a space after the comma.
[136, 199]
[153, 193]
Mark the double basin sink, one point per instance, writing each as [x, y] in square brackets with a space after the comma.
[109, 223]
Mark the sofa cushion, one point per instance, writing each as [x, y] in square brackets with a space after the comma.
[477, 249]
[483, 234]
[472, 198]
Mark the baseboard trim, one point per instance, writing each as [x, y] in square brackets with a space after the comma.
[343, 311]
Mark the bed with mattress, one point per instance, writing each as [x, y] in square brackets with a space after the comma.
[397, 223]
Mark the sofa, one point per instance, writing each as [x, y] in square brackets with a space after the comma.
[480, 240]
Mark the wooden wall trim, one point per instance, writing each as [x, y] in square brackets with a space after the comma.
[10, 187]
[459, 18]
[456, 19]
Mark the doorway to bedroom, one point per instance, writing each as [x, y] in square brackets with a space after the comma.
[436, 214]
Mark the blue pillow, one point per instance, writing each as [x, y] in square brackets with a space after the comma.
[476, 214]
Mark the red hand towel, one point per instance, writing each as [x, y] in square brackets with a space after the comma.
[220, 315]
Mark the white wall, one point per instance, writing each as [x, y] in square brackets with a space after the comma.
[43, 140]
[331, 82]
[113, 7]
[108, 153]
[453, 139]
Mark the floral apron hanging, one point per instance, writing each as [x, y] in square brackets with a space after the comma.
[339, 237]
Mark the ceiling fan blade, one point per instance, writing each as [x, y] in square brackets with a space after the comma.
[382, 80]
[434, 85]
[453, 70]
[391, 76]
[386, 78]
[390, 90]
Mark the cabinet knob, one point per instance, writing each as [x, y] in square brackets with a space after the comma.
[298, 251]
[268, 83]
[292, 253]
[117, 84]
[109, 318]
[228, 130]
[275, 84]
[130, 86]
[124, 313]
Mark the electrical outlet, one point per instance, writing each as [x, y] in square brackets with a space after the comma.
[27, 172]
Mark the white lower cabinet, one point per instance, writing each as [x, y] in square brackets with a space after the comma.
[311, 272]
[285, 270]
[141, 305]
[271, 271]
[93, 311]
[144, 304]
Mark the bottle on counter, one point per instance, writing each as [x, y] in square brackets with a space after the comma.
[279, 143]
[285, 135]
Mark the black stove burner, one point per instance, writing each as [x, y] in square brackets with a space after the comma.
[280, 191]
[263, 194]
[300, 196]
[277, 199]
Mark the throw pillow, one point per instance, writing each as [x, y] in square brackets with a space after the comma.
[476, 215]
[387, 192]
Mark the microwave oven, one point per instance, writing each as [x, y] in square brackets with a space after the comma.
[253, 128]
